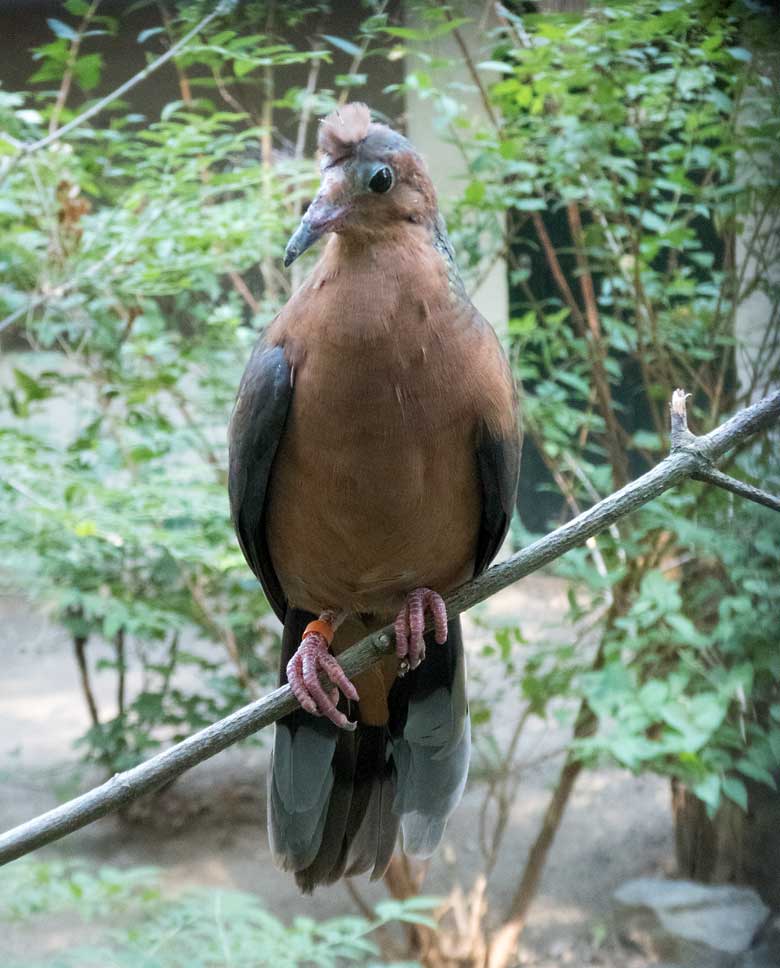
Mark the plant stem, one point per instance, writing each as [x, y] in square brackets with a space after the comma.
[503, 945]
[121, 669]
[80, 647]
[67, 77]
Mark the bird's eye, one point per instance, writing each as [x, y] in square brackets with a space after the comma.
[381, 180]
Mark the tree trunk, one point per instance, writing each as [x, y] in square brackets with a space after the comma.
[734, 847]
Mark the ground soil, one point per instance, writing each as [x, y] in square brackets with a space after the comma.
[209, 828]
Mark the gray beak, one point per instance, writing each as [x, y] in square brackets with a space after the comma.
[302, 239]
[321, 216]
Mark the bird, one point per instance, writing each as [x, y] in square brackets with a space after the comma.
[374, 454]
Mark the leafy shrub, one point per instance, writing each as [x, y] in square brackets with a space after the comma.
[637, 150]
[203, 928]
[141, 256]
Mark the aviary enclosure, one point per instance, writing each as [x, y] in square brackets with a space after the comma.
[609, 178]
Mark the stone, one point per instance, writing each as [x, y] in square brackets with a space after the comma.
[766, 950]
[687, 924]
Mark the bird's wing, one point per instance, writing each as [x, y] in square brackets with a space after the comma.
[498, 466]
[256, 428]
[498, 454]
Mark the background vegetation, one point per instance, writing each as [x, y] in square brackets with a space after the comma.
[626, 170]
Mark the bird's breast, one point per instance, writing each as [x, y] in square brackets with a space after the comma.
[374, 488]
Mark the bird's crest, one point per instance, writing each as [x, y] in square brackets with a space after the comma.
[343, 129]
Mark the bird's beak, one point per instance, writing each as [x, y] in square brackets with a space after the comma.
[303, 238]
[323, 215]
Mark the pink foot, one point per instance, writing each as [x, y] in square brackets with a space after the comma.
[410, 624]
[311, 659]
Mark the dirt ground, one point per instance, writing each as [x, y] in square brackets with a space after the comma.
[209, 829]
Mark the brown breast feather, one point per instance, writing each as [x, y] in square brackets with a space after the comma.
[374, 489]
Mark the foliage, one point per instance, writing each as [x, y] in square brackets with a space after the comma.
[140, 926]
[648, 137]
[629, 178]
[690, 685]
[132, 252]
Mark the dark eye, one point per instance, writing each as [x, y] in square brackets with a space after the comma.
[381, 181]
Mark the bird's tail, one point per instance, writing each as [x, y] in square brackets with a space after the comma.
[336, 798]
[430, 735]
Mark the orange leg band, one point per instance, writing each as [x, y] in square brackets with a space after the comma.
[325, 629]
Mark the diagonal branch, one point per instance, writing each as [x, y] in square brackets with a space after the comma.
[689, 455]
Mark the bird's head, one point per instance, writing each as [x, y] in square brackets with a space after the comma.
[372, 177]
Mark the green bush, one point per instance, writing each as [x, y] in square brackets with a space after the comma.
[132, 253]
[139, 926]
[638, 152]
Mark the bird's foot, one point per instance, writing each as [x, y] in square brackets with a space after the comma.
[410, 625]
[311, 659]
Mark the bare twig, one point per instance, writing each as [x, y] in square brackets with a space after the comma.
[181, 74]
[719, 479]
[80, 648]
[473, 72]
[357, 60]
[244, 291]
[504, 942]
[687, 458]
[305, 115]
[593, 338]
[682, 437]
[223, 631]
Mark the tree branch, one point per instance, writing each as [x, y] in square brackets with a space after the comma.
[708, 473]
[690, 455]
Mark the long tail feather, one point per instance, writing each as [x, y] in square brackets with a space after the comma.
[431, 743]
[330, 792]
[337, 799]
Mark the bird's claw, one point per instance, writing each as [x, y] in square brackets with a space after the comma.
[410, 626]
[311, 659]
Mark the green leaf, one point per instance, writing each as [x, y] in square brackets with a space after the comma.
[149, 32]
[755, 772]
[740, 54]
[735, 790]
[346, 45]
[474, 193]
[773, 736]
[243, 66]
[61, 29]
[88, 70]
[33, 389]
[498, 66]
[708, 791]
[650, 220]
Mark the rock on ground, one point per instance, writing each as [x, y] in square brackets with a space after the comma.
[693, 925]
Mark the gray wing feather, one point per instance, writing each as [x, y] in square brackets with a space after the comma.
[256, 428]
[498, 466]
